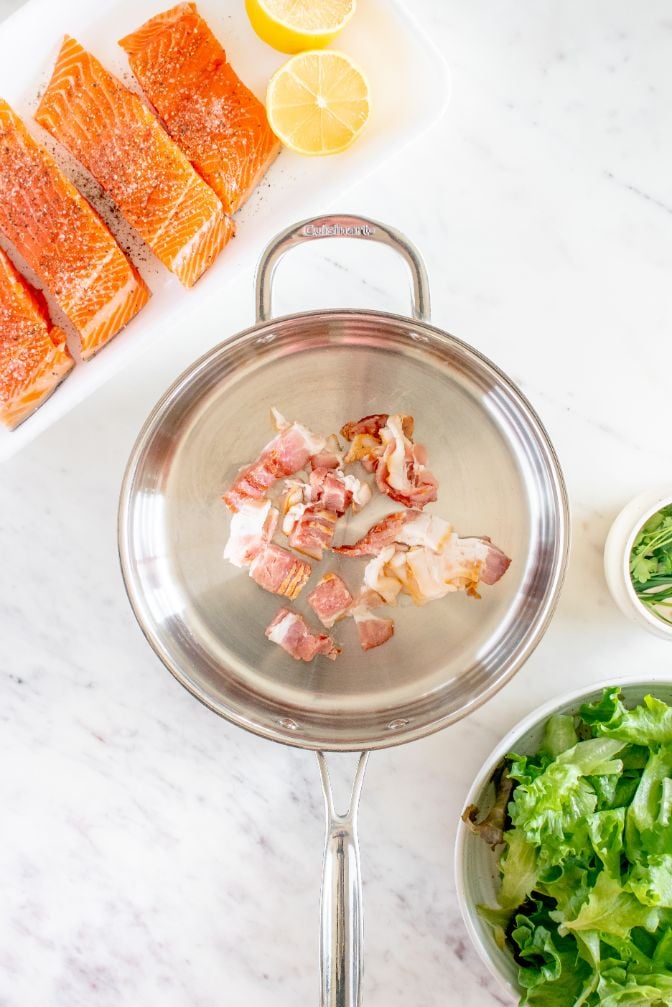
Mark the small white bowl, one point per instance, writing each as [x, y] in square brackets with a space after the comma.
[476, 865]
[617, 549]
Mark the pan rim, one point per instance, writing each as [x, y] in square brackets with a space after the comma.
[511, 665]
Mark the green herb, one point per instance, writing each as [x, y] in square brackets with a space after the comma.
[651, 563]
[585, 901]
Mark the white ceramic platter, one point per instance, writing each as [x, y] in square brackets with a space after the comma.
[409, 91]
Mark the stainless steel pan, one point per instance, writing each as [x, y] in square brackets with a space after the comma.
[498, 476]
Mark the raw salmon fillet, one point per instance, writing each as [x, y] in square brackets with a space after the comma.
[208, 111]
[34, 357]
[63, 239]
[122, 144]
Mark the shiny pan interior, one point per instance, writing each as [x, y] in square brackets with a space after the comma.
[205, 619]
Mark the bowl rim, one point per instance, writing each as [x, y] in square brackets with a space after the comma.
[662, 500]
[483, 777]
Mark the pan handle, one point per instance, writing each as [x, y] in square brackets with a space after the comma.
[341, 936]
[341, 226]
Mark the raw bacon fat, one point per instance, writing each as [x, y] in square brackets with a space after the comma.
[410, 553]
[372, 630]
[330, 600]
[252, 529]
[313, 531]
[419, 554]
[384, 445]
[286, 454]
[278, 571]
[291, 632]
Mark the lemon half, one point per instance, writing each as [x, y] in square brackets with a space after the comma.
[318, 102]
[296, 25]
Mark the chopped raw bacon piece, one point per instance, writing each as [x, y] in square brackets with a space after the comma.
[380, 574]
[383, 444]
[311, 509]
[371, 629]
[429, 530]
[496, 562]
[330, 600]
[286, 454]
[427, 574]
[328, 487]
[365, 435]
[252, 529]
[330, 457]
[277, 571]
[371, 426]
[361, 492]
[251, 483]
[410, 552]
[313, 531]
[382, 534]
[421, 554]
[290, 631]
[326, 460]
[399, 472]
[337, 491]
[409, 527]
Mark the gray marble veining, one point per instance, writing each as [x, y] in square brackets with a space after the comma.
[150, 853]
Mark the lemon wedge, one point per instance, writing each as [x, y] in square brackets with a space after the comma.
[318, 102]
[296, 25]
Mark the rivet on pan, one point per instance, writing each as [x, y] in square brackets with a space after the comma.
[394, 725]
[418, 337]
[265, 339]
[288, 723]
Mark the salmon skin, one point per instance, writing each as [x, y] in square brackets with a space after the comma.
[206, 108]
[63, 239]
[34, 357]
[118, 139]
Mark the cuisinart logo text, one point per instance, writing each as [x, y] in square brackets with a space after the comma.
[338, 231]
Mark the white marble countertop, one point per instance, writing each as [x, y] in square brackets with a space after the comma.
[149, 852]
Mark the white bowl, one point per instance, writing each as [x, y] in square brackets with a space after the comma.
[617, 549]
[476, 865]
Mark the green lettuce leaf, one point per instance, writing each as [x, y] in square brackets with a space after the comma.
[550, 807]
[586, 873]
[648, 823]
[568, 884]
[519, 870]
[616, 791]
[525, 768]
[650, 723]
[651, 883]
[550, 970]
[654, 990]
[594, 757]
[662, 953]
[559, 734]
[611, 910]
[571, 988]
[606, 710]
[537, 954]
[605, 831]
